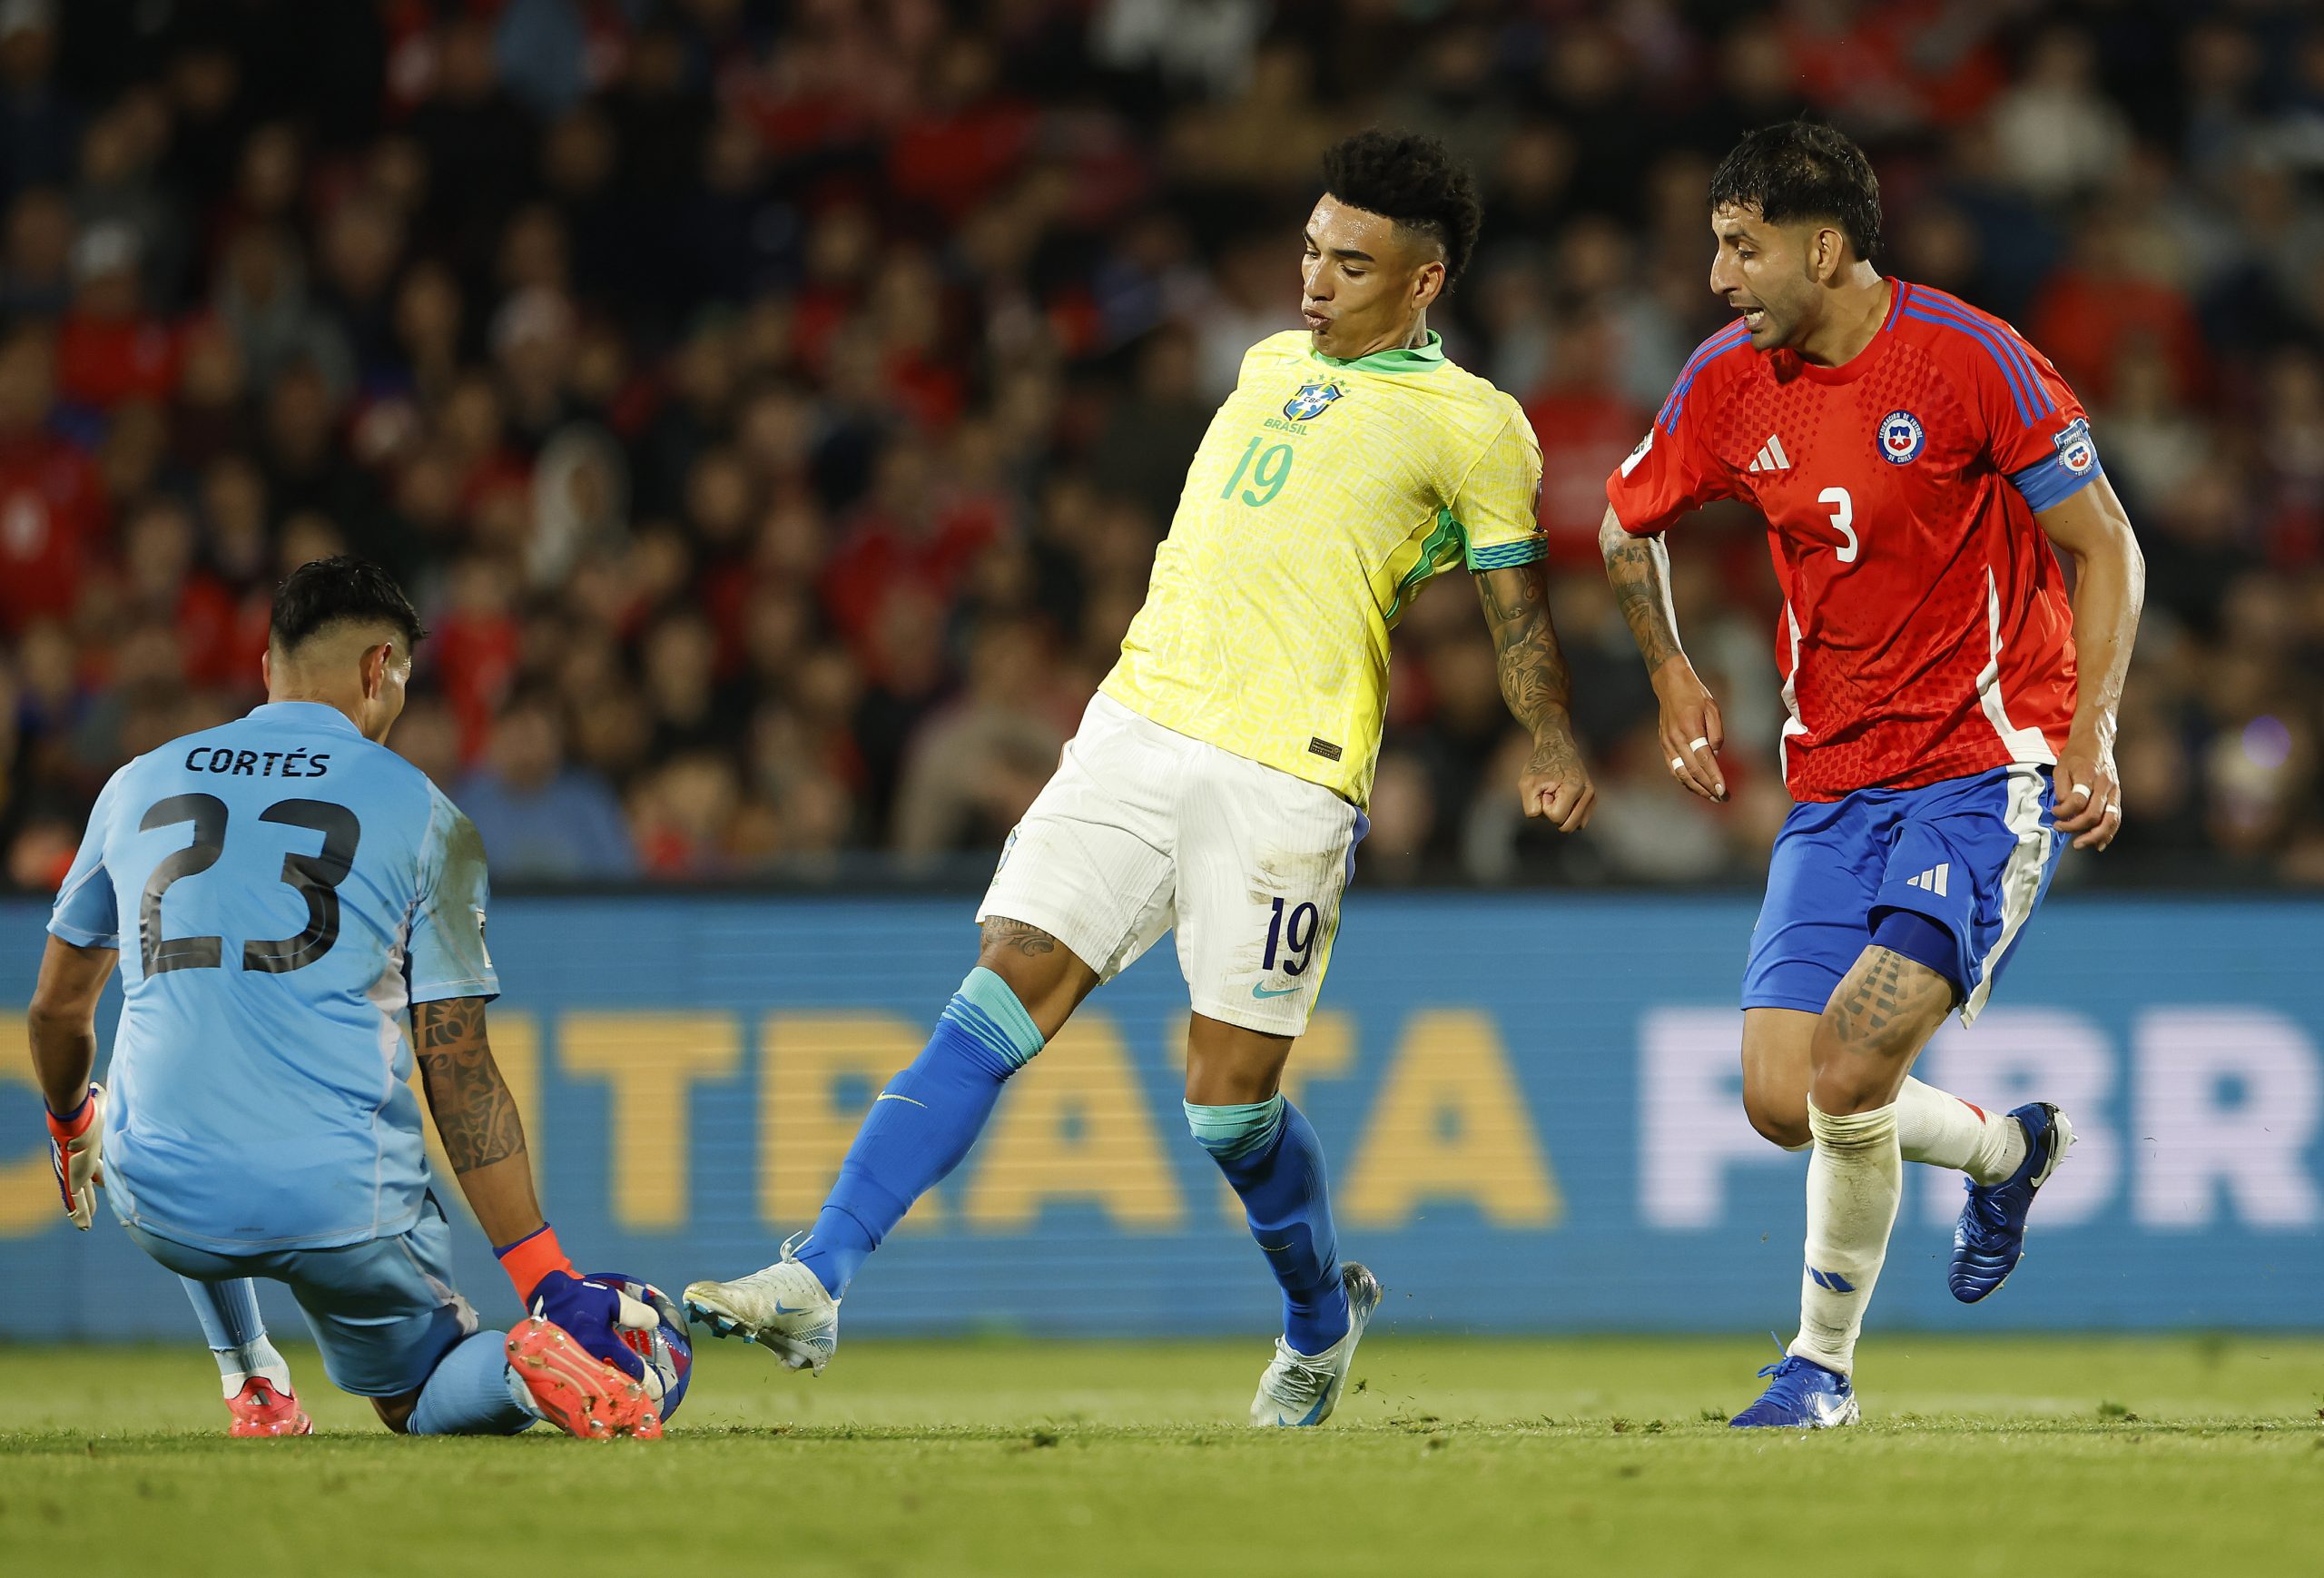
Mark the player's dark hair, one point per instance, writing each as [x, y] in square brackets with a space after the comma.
[1414, 180]
[322, 593]
[1797, 170]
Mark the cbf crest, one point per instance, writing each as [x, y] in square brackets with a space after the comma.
[1312, 401]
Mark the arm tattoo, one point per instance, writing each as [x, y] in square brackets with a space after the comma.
[474, 1111]
[1029, 941]
[1533, 679]
[1639, 568]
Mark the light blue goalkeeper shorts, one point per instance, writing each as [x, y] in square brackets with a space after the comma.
[383, 1311]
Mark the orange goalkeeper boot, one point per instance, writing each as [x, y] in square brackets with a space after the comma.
[260, 1410]
[575, 1392]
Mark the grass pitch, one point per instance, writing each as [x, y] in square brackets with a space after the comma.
[2098, 1455]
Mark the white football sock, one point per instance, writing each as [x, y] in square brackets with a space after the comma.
[520, 1394]
[1854, 1180]
[260, 1358]
[1940, 1129]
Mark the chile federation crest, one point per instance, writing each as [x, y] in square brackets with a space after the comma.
[1902, 438]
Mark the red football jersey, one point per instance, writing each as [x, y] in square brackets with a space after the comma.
[1925, 632]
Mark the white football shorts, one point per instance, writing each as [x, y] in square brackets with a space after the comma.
[1143, 829]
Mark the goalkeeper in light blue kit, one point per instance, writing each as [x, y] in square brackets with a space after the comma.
[279, 892]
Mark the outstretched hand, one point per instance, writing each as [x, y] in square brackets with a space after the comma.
[1692, 732]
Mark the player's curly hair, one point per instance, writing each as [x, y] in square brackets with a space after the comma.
[325, 592]
[1799, 170]
[1414, 180]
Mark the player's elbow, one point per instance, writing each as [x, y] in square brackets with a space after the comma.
[1612, 537]
[2107, 553]
[2133, 559]
[53, 1015]
[2113, 535]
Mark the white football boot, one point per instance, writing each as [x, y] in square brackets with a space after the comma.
[1303, 1388]
[784, 1307]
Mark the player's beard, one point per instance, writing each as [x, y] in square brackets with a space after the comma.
[1773, 328]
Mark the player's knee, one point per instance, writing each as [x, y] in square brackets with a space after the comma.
[1781, 1122]
[1040, 971]
[1236, 1133]
[989, 1011]
[394, 1412]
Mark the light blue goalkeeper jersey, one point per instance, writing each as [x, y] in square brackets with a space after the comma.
[282, 890]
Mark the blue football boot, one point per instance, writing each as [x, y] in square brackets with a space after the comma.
[1803, 1396]
[1990, 1236]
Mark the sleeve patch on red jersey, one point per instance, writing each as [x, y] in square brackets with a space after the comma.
[2060, 476]
[2076, 452]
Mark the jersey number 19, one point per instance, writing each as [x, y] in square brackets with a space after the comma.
[1269, 474]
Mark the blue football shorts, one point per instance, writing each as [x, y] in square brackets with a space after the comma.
[383, 1311]
[1972, 856]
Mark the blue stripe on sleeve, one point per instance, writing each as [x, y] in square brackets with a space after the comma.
[1718, 345]
[1997, 332]
[2025, 387]
[2048, 482]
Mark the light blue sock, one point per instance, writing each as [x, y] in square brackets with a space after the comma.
[468, 1393]
[236, 1332]
[227, 1311]
[921, 1124]
[1275, 1163]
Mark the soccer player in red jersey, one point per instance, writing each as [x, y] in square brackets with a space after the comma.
[1951, 706]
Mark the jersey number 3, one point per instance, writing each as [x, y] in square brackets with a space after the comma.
[1842, 521]
[316, 877]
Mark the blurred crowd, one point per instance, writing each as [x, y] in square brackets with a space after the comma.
[774, 407]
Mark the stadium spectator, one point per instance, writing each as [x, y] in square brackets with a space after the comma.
[785, 402]
[538, 816]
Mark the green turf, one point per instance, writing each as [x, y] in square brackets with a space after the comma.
[2004, 1456]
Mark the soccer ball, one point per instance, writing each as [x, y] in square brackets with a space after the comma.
[668, 1351]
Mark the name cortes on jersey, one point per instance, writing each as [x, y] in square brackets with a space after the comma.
[243, 764]
[1925, 632]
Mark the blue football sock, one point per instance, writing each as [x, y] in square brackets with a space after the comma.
[1275, 1163]
[921, 1124]
[468, 1392]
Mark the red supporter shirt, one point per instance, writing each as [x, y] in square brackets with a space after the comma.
[1582, 432]
[1925, 632]
[105, 362]
[51, 519]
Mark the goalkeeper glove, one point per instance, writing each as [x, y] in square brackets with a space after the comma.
[76, 1153]
[591, 1313]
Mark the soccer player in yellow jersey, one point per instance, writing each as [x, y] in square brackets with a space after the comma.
[1217, 781]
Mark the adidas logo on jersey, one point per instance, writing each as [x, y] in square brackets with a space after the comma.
[1932, 881]
[1771, 457]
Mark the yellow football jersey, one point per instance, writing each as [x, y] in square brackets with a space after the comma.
[1324, 495]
